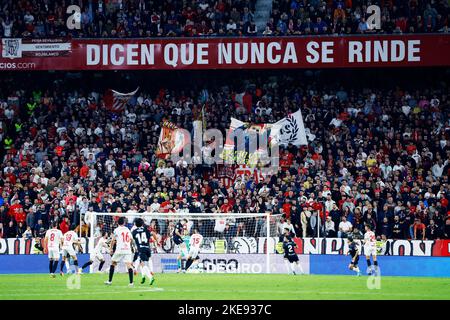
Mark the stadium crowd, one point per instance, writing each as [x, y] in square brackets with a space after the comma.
[132, 18]
[300, 17]
[376, 155]
[192, 18]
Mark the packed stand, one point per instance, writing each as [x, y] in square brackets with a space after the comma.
[377, 156]
[312, 17]
[128, 19]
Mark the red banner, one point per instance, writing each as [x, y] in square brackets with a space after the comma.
[442, 248]
[226, 53]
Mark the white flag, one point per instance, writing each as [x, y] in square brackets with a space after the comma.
[290, 130]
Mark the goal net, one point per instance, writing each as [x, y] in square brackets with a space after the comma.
[232, 242]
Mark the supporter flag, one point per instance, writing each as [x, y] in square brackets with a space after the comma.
[116, 101]
[234, 125]
[203, 117]
[171, 140]
[290, 130]
[199, 126]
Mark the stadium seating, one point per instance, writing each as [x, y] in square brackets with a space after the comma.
[125, 19]
[158, 18]
[376, 155]
[301, 17]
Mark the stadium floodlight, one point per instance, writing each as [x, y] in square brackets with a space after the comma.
[223, 233]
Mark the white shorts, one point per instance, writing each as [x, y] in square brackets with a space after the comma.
[69, 251]
[370, 251]
[193, 252]
[96, 255]
[125, 257]
[53, 253]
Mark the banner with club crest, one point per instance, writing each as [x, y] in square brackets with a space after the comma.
[290, 130]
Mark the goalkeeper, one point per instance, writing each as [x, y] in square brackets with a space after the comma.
[183, 253]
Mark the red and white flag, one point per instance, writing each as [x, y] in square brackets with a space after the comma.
[116, 101]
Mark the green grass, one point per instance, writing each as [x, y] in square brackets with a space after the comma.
[223, 286]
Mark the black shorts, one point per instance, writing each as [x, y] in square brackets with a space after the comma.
[293, 258]
[144, 254]
[356, 257]
[177, 240]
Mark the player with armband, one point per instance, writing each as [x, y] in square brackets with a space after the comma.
[195, 243]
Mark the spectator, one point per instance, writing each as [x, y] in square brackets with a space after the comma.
[10, 231]
[345, 228]
[347, 165]
[64, 225]
[329, 227]
[432, 231]
[83, 228]
[28, 234]
[419, 230]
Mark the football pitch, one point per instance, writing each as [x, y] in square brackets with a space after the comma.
[222, 286]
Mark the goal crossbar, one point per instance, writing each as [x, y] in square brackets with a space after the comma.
[268, 218]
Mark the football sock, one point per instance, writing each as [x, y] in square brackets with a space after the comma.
[179, 263]
[61, 266]
[75, 263]
[87, 264]
[130, 274]
[292, 266]
[147, 272]
[111, 273]
[50, 266]
[188, 263]
[375, 263]
[287, 265]
[55, 266]
[150, 266]
[67, 265]
[368, 263]
[100, 266]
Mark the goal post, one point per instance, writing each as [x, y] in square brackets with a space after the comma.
[246, 238]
